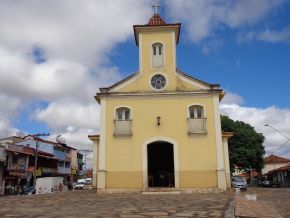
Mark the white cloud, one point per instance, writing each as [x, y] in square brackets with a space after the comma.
[51, 80]
[9, 106]
[6, 129]
[232, 98]
[203, 17]
[61, 115]
[275, 36]
[76, 39]
[9, 109]
[82, 31]
[246, 37]
[267, 35]
[76, 137]
[247, 12]
[257, 117]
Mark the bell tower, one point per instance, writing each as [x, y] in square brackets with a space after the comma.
[157, 44]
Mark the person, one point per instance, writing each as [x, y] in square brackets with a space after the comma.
[69, 185]
[60, 187]
[17, 190]
[8, 189]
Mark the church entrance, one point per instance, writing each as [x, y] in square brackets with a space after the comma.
[160, 164]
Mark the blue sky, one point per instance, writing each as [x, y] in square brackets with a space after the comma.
[256, 70]
[55, 55]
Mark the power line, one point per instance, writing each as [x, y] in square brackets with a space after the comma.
[282, 134]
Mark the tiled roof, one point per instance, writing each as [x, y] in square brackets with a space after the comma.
[27, 150]
[275, 159]
[156, 20]
[286, 167]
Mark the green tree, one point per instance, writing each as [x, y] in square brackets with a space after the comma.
[246, 148]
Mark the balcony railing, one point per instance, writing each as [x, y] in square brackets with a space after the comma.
[63, 170]
[196, 125]
[123, 127]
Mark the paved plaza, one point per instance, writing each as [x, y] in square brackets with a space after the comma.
[89, 204]
[263, 202]
[252, 203]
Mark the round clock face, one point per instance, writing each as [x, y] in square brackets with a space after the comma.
[158, 81]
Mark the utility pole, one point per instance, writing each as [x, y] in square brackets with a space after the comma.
[36, 154]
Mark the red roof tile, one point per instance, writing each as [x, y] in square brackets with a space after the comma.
[286, 167]
[274, 159]
[156, 20]
[27, 150]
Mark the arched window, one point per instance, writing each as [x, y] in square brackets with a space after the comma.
[123, 113]
[196, 120]
[157, 55]
[123, 122]
[196, 111]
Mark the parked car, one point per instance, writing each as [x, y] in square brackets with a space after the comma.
[266, 183]
[80, 184]
[89, 181]
[276, 184]
[239, 182]
[84, 184]
[29, 190]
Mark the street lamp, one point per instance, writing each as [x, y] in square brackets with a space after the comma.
[158, 120]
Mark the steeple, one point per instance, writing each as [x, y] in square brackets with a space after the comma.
[156, 23]
[156, 6]
[156, 19]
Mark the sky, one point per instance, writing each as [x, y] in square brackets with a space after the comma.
[55, 55]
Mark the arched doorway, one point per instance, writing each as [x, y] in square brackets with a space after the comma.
[160, 156]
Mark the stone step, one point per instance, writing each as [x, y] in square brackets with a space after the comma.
[149, 191]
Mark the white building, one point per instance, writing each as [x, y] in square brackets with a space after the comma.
[273, 162]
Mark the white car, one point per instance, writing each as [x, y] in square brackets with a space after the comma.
[80, 184]
[239, 182]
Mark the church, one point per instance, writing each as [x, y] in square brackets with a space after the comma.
[159, 127]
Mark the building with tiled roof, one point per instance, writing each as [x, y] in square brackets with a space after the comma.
[273, 162]
[160, 127]
[275, 159]
[281, 175]
[284, 168]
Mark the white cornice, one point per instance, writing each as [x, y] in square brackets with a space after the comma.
[152, 94]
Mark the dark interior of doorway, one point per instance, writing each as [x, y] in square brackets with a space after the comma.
[160, 165]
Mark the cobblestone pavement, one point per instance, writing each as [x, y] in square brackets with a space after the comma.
[263, 202]
[89, 204]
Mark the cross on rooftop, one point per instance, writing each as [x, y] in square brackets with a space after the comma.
[156, 6]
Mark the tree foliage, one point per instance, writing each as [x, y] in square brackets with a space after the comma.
[246, 148]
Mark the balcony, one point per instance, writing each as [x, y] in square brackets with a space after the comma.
[122, 127]
[196, 125]
[63, 170]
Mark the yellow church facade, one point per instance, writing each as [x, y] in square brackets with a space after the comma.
[160, 127]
